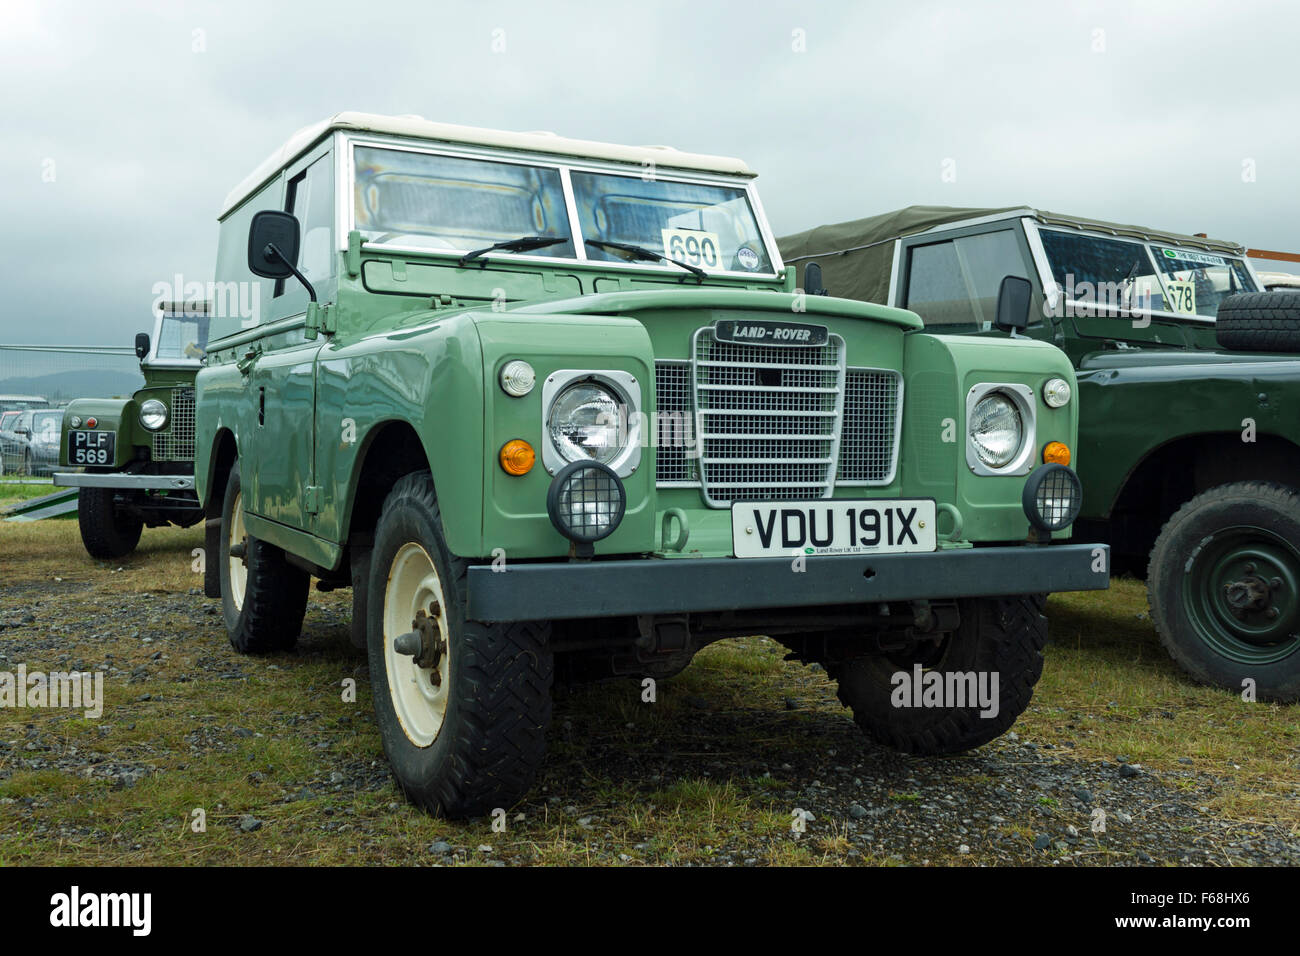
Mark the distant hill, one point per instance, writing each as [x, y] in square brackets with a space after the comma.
[81, 383]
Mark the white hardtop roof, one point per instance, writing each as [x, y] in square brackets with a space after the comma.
[418, 128]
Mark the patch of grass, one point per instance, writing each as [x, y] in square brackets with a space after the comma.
[626, 782]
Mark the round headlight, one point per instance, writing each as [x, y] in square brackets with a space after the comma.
[517, 378]
[1056, 392]
[996, 430]
[1052, 497]
[153, 414]
[586, 501]
[586, 423]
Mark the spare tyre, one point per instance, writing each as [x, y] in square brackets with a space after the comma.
[1260, 322]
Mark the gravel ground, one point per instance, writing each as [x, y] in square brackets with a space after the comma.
[1016, 801]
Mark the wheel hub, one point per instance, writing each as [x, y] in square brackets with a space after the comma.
[424, 642]
[1243, 594]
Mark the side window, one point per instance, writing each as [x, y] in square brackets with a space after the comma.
[311, 200]
[955, 283]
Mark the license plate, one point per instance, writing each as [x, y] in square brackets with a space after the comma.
[841, 526]
[91, 448]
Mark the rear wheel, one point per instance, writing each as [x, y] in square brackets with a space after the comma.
[999, 639]
[106, 531]
[1224, 588]
[263, 596]
[462, 706]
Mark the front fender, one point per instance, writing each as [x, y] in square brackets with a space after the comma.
[118, 415]
[1129, 411]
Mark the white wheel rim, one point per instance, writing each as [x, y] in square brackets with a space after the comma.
[420, 702]
[238, 566]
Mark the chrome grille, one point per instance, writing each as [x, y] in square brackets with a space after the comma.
[674, 426]
[176, 441]
[769, 418]
[873, 404]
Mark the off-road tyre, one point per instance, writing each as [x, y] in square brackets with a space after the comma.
[269, 618]
[1260, 322]
[999, 635]
[106, 531]
[492, 735]
[1205, 551]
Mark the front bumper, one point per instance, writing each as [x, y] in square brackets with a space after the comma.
[613, 588]
[67, 479]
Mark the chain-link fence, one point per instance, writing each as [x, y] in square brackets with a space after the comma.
[60, 373]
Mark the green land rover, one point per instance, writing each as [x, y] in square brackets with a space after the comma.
[136, 455]
[1188, 390]
[554, 409]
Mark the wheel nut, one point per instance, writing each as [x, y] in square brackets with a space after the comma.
[1275, 584]
[1274, 614]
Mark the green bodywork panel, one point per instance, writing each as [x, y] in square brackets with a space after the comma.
[417, 344]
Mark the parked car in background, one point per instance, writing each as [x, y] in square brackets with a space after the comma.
[31, 446]
[137, 454]
[7, 422]
[1189, 440]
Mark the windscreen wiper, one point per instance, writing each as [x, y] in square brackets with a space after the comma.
[522, 244]
[647, 255]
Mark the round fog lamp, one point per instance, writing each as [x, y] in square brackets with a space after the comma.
[586, 501]
[153, 414]
[1056, 392]
[1052, 497]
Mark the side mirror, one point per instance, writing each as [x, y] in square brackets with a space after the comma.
[141, 345]
[812, 280]
[272, 244]
[1015, 297]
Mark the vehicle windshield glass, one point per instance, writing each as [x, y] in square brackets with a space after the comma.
[182, 338]
[1106, 272]
[457, 204]
[1198, 281]
[1123, 273]
[711, 227]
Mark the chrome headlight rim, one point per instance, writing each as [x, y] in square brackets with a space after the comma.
[1022, 398]
[154, 415]
[626, 392]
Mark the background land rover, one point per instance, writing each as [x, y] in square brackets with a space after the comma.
[445, 405]
[1190, 442]
[137, 454]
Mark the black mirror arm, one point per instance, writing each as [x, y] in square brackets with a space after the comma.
[271, 252]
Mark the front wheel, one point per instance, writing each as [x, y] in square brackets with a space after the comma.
[462, 706]
[1224, 588]
[958, 694]
[263, 596]
[106, 531]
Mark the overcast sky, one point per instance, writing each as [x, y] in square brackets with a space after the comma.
[1182, 115]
